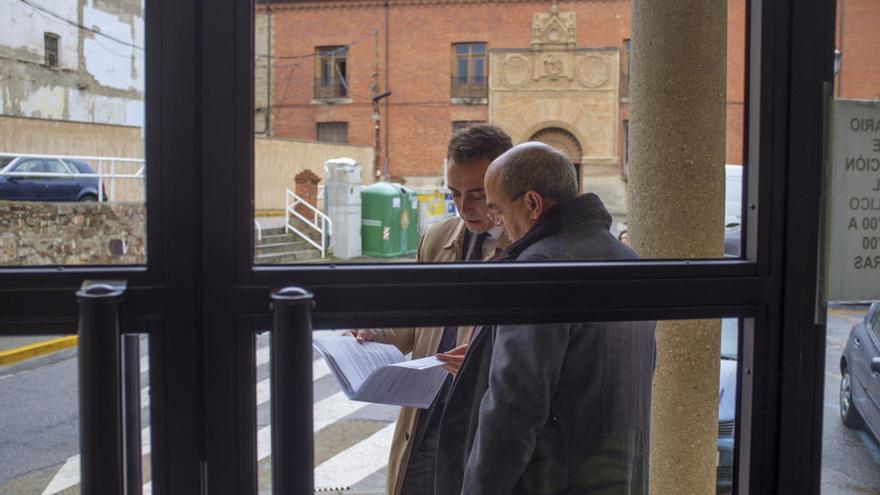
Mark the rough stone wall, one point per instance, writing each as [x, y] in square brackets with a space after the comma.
[40, 234]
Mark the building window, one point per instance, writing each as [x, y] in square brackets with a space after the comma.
[333, 132]
[457, 125]
[625, 147]
[469, 79]
[627, 67]
[50, 44]
[331, 72]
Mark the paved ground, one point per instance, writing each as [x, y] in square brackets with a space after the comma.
[39, 425]
[40, 444]
[851, 458]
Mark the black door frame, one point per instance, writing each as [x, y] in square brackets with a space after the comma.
[200, 299]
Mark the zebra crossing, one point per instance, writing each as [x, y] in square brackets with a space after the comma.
[351, 438]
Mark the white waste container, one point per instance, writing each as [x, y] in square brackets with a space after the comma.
[342, 200]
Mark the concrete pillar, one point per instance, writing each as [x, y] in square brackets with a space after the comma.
[676, 210]
[306, 187]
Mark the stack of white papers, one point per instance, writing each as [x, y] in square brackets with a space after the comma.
[379, 373]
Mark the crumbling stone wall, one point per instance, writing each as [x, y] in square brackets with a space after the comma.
[39, 234]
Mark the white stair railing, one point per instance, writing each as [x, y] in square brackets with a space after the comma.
[259, 229]
[100, 174]
[319, 222]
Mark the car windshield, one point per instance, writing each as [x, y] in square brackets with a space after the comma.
[56, 167]
[4, 161]
[81, 167]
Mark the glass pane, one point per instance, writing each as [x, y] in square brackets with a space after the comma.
[55, 167]
[851, 424]
[73, 95]
[33, 165]
[478, 70]
[354, 439]
[40, 452]
[558, 76]
[462, 70]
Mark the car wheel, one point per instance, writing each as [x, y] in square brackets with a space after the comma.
[88, 198]
[848, 412]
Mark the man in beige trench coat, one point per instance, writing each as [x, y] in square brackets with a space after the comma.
[469, 236]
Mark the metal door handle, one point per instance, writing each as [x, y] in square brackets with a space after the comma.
[857, 342]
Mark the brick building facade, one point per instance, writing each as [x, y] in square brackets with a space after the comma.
[320, 63]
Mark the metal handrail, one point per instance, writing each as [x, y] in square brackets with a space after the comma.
[259, 230]
[112, 175]
[326, 225]
[72, 157]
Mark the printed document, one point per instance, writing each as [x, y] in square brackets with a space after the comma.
[374, 372]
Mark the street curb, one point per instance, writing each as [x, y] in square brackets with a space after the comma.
[269, 213]
[38, 349]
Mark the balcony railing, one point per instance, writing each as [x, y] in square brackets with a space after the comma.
[330, 88]
[470, 87]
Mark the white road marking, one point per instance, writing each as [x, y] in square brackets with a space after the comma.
[319, 370]
[68, 475]
[326, 412]
[356, 463]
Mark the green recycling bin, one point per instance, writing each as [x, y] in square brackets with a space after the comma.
[410, 233]
[389, 220]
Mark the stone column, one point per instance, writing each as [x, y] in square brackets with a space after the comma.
[676, 210]
[306, 187]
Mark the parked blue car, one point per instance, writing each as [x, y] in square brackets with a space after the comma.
[860, 374]
[63, 185]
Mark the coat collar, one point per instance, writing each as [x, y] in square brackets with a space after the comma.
[579, 211]
[455, 240]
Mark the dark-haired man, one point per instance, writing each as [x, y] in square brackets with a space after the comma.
[551, 409]
[470, 236]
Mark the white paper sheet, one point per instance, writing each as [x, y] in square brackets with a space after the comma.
[373, 372]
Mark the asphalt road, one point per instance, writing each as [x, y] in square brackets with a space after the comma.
[39, 425]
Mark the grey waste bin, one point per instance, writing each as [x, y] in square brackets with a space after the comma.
[342, 197]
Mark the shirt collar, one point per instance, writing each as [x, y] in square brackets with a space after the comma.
[495, 232]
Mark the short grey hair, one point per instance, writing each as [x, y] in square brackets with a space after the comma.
[535, 166]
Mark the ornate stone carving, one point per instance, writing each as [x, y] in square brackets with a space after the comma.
[592, 72]
[554, 67]
[562, 140]
[515, 71]
[554, 30]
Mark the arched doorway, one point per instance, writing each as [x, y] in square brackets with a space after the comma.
[565, 142]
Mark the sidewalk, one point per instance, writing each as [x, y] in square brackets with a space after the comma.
[15, 349]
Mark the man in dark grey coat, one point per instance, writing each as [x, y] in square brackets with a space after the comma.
[552, 408]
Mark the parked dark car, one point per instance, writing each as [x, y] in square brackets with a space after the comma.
[860, 374]
[64, 183]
